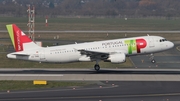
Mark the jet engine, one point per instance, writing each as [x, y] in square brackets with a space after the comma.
[116, 58]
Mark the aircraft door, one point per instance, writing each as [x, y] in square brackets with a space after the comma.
[151, 42]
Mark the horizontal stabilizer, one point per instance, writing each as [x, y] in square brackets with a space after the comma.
[20, 54]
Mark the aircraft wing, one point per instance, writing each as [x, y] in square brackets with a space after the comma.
[94, 55]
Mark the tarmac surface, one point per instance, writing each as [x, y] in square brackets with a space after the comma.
[102, 91]
[169, 59]
[99, 31]
[91, 75]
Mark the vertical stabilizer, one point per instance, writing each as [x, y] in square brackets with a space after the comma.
[19, 40]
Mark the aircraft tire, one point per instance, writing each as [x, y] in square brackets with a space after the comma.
[97, 67]
[153, 61]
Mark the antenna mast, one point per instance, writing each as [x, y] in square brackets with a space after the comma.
[31, 21]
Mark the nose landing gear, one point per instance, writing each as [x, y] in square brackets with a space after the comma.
[152, 58]
[153, 61]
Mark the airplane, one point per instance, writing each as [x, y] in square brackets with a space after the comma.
[114, 51]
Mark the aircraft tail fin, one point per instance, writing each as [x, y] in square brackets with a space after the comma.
[20, 40]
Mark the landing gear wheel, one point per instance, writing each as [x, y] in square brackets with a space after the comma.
[153, 61]
[97, 67]
[152, 58]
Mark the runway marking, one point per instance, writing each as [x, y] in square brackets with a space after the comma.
[132, 62]
[178, 48]
[36, 75]
[90, 77]
[167, 62]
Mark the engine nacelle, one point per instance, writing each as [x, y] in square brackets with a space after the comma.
[84, 58]
[117, 58]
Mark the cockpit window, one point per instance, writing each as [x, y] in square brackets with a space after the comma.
[162, 40]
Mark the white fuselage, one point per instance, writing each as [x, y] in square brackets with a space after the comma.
[71, 53]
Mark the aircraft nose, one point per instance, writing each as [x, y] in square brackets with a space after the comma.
[171, 44]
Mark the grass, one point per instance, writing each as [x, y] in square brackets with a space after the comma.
[94, 24]
[27, 85]
[86, 37]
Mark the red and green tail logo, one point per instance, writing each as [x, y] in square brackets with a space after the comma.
[17, 37]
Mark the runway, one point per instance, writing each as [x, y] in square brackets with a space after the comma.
[99, 31]
[103, 91]
[91, 75]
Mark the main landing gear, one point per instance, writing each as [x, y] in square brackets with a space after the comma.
[96, 66]
[152, 58]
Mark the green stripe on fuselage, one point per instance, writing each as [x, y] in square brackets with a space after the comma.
[131, 46]
[10, 31]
